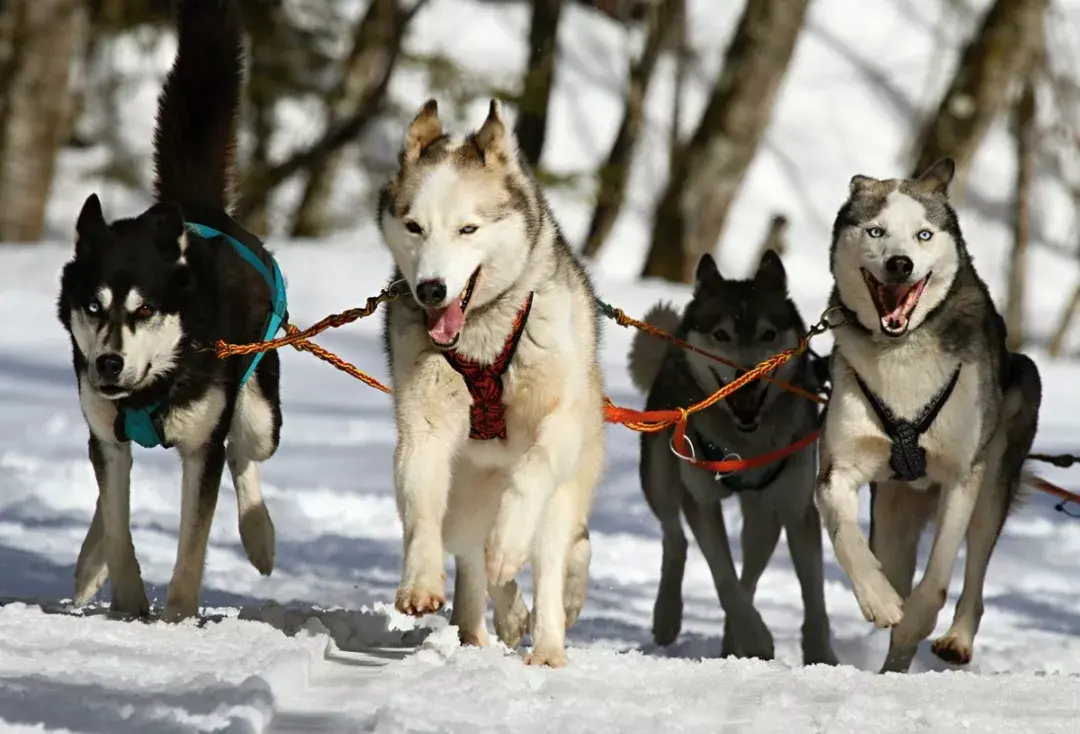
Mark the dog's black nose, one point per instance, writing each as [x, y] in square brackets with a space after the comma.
[109, 366]
[899, 266]
[431, 292]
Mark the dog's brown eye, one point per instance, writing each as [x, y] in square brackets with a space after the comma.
[768, 335]
[144, 312]
[413, 227]
[721, 336]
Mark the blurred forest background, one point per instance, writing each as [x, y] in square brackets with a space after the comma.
[64, 87]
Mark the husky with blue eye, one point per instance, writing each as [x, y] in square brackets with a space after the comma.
[928, 406]
[745, 322]
[144, 300]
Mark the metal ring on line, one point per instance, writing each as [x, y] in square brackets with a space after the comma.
[730, 457]
[693, 453]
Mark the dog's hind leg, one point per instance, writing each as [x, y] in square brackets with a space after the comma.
[898, 517]
[470, 598]
[760, 535]
[200, 484]
[664, 493]
[252, 439]
[112, 467]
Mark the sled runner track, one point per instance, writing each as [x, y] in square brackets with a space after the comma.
[636, 420]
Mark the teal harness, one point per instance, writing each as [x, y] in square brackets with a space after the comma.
[144, 425]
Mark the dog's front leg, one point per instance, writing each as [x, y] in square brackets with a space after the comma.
[837, 499]
[431, 429]
[200, 484]
[112, 468]
[928, 597]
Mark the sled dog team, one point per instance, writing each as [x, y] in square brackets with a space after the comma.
[495, 375]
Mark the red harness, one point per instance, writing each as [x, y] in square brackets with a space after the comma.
[487, 415]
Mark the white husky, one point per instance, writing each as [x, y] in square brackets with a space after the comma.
[498, 396]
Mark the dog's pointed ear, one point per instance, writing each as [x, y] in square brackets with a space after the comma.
[859, 183]
[936, 178]
[494, 139]
[770, 272]
[707, 272]
[166, 222]
[425, 129]
[91, 226]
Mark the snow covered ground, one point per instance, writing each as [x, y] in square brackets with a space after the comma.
[316, 646]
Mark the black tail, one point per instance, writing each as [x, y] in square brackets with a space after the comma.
[195, 138]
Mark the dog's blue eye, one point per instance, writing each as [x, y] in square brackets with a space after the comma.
[875, 231]
[413, 227]
[925, 234]
[468, 229]
[93, 307]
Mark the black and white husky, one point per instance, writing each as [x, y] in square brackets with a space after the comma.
[929, 407]
[144, 299]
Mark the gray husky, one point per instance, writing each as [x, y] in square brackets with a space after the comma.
[746, 322]
[928, 407]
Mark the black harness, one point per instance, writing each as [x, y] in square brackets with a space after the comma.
[908, 458]
[753, 480]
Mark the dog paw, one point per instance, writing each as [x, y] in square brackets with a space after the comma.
[817, 655]
[88, 582]
[747, 636]
[130, 601]
[952, 649]
[879, 602]
[512, 625]
[416, 600]
[257, 537]
[177, 610]
[546, 657]
[667, 621]
[473, 638]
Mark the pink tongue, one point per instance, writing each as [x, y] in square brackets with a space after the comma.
[444, 324]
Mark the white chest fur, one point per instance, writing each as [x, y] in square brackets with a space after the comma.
[906, 377]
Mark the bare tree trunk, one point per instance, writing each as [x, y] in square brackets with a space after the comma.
[616, 170]
[1025, 173]
[775, 238]
[40, 40]
[707, 173]
[367, 71]
[682, 61]
[265, 177]
[531, 125]
[994, 61]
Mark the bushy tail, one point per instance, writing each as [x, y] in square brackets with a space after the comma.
[195, 138]
[647, 352]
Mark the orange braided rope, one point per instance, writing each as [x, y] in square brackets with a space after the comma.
[637, 420]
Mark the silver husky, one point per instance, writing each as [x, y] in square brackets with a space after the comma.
[746, 322]
[498, 395]
[928, 407]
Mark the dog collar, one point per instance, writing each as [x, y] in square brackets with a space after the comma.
[907, 458]
[752, 480]
[145, 426]
[487, 414]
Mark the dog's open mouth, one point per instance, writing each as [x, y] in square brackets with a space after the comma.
[445, 324]
[113, 391]
[745, 404]
[894, 302]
